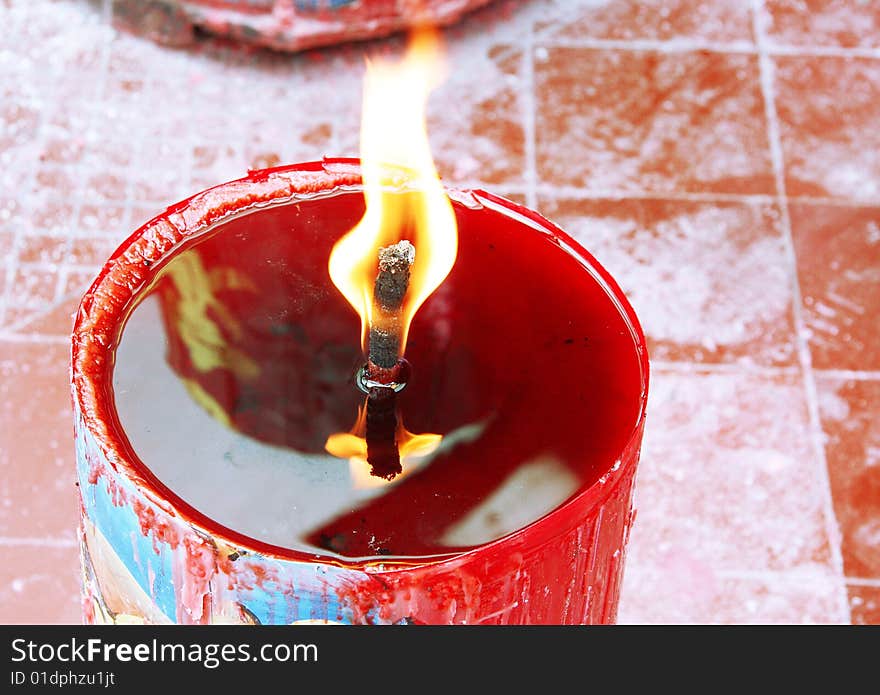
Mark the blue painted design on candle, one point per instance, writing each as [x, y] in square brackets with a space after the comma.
[118, 524]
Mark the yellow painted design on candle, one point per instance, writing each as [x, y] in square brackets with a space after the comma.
[196, 304]
[207, 402]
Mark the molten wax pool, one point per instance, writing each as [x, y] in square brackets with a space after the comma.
[240, 360]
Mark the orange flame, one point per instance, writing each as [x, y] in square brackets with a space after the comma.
[404, 200]
[412, 448]
[395, 155]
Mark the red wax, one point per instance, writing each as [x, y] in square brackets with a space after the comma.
[520, 339]
[528, 338]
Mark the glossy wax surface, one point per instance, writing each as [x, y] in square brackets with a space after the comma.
[238, 363]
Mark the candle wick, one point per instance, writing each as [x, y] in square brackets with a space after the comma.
[386, 370]
[381, 433]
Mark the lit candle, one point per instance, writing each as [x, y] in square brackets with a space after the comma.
[216, 370]
[207, 492]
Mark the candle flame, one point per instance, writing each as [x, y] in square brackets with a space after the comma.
[405, 200]
[353, 446]
[396, 155]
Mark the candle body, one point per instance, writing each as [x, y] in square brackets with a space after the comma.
[424, 549]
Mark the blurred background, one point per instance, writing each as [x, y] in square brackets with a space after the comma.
[719, 157]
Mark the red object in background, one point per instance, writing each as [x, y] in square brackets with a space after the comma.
[290, 25]
[539, 330]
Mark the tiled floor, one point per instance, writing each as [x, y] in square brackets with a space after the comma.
[719, 157]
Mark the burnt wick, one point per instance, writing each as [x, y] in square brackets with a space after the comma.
[386, 328]
[381, 435]
[386, 370]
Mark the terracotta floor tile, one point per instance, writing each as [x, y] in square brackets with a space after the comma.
[63, 150]
[54, 320]
[42, 248]
[159, 183]
[19, 123]
[103, 151]
[12, 218]
[864, 603]
[104, 220]
[37, 492]
[7, 238]
[92, 251]
[141, 214]
[838, 258]
[716, 20]
[78, 281]
[851, 420]
[682, 591]
[32, 286]
[518, 198]
[840, 23]
[828, 107]
[214, 163]
[728, 480]
[709, 281]
[612, 120]
[47, 213]
[57, 181]
[106, 185]
[40, 585]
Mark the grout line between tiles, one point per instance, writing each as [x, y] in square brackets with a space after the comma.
[771, 576]
[529, 116]
[39, 542]
[47, 267]
[863, 581]
[576, 192]
[780, 575]
[786, 50]
[694, 44]
[812, 400]
[38, 338]
[834, 202]
[683, 45]
[721, 368]
[847, 374]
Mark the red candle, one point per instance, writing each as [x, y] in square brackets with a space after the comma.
[527, 360]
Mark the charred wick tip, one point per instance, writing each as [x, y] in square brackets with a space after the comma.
[392, 280]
